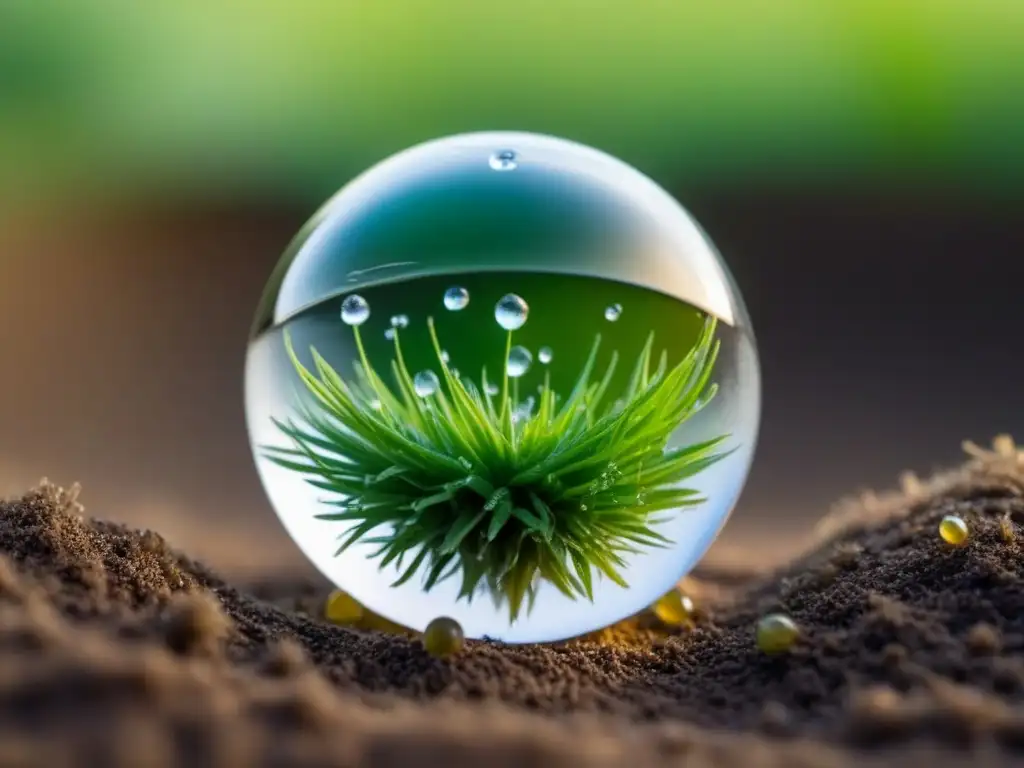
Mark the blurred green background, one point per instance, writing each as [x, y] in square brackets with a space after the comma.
[859, 163]
[256, 98]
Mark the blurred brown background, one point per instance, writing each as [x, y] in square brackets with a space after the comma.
[859, 166]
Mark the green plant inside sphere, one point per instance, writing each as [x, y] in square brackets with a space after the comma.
[465, 481]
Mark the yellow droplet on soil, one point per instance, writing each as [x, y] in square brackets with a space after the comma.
[776, 633]
[674, 608]
[342, 608]
[953, 530]
[443, 637]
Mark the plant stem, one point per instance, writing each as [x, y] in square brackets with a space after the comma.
[366, 363]
[504, 377]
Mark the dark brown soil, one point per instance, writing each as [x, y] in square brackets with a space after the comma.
[117, 651]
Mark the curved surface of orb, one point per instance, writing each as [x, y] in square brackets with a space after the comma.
[422, 410]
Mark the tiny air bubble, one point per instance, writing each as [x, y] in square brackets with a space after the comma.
[400, 321]
[524, 410]
[612, 313]
[545, 355]
[354, 310]
[456, 298]
[389, 334]
[519, 361]
[505, 160]
[425, 383]
[510, 312]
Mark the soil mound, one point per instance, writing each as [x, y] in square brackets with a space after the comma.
[116, 650]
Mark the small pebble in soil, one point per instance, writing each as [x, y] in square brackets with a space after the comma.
[674, 608]
[953, 530]
[443, 637]
[342, 608]
[776, 633]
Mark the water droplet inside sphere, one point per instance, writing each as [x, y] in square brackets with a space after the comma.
[425, 383]
[456, 298]
[545, 355]
[444, 356]
[522, 413]
[354, 310]
[400, 321]
[612, 313]
[519, 360]
[492, 389]
[389, 334]
[524, 410]
[505, 160]
[511, 312]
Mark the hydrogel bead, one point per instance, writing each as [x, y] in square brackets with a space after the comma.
[953, 530]
[776, 633]
[443, 637]
[674, 608]
[341, 608]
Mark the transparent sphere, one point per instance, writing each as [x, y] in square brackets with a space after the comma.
[528, 507]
